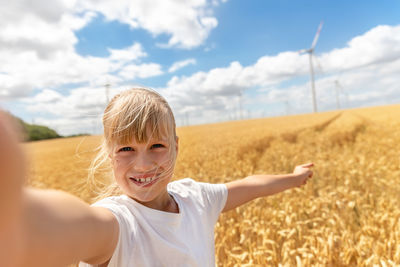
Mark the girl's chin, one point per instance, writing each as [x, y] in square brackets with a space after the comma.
[144, 194]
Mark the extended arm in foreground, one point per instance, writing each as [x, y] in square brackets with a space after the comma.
[46, 227]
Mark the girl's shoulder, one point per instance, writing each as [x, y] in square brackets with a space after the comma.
[183, 186]
[122, 207]
[188, 187]
[182, 182]
[117, 204]
[110, 200]
[208, 198]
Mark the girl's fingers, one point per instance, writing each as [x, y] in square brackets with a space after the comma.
[308, 165]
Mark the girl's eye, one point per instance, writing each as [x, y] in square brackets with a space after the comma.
[126, 149]
[157, 146]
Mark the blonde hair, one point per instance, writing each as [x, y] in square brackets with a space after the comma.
[139, 114]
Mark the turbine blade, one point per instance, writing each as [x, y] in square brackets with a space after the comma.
[314, 43]
[303, 51]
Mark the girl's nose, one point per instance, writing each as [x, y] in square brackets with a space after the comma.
[142, 163]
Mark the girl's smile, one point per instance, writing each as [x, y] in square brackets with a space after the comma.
[145, 180]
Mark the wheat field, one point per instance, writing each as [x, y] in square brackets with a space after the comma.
[347, 215]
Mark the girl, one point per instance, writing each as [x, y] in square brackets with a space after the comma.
[147, 221]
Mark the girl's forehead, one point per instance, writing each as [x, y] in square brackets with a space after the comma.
[141, 131]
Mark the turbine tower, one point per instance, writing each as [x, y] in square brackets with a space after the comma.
[310, 52]
[107, 92]
[337, 87]
[240, 105]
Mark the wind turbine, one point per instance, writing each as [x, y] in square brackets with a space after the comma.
[310, 52]
[107, 92]
[240, 105]
[339, 89]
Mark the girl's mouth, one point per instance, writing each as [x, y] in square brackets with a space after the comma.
[145, 181]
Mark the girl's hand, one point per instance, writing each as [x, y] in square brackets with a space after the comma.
[303, 173]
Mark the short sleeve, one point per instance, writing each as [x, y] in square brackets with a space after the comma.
[215, 196]
[125, 219]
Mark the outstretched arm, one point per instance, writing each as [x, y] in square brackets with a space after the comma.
[61, 229]
[255, 186]
[46, 227]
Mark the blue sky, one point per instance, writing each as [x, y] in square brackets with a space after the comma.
[227, 54]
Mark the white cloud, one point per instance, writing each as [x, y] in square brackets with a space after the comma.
[37, 40]
[12, 86]
[133, 52]
[188, 23]
[25, 30]
[44, 97]
[68, 126]
[216, 88]
[48, 11]
[235, 78]
[371, 85]
[378, 45]
[132, 71]
[80, 102]
[215, 82]
[26, 70]
[78, 111]
[274, 69]
[181, 64]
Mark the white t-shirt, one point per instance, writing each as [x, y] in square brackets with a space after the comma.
[150, 237]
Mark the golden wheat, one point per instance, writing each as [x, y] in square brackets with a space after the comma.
[347, 215]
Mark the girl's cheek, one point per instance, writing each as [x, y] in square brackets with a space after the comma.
[127, 161]
[162, 158]
[121, 162]
[166, 162]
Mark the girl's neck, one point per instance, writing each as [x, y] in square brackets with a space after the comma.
[164, 202]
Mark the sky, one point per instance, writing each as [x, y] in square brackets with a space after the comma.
[213, 60]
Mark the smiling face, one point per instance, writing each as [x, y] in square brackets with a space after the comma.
[140, 135]
[144, 169]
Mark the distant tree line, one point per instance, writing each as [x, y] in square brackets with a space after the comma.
[34, 132]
